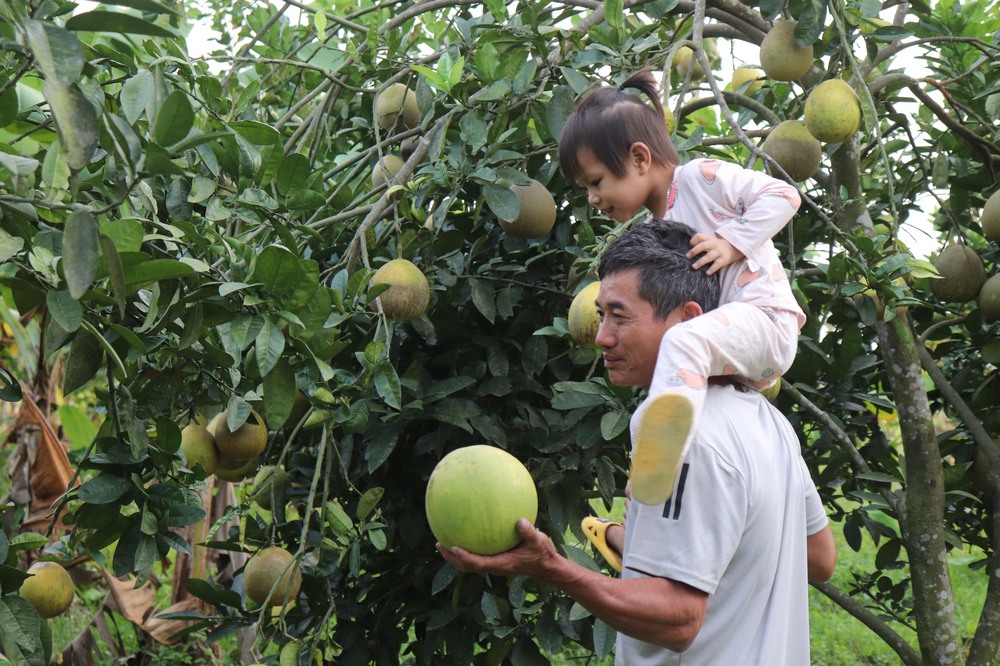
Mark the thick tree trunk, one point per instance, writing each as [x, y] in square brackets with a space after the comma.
[922, 516]
[922, 510]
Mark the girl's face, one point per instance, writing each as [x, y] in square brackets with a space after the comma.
[619, 198]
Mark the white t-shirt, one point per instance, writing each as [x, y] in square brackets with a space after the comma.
[735, 528]
[746, 208]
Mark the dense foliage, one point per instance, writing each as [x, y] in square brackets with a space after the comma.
[198, 233]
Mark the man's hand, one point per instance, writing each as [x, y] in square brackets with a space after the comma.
[715, 251]
[529, 558]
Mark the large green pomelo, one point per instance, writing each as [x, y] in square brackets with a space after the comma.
[962, 274]
[990, 218]
[475, 497]
[833, 111]
[583, 320]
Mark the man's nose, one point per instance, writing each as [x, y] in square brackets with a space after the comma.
[604, 339]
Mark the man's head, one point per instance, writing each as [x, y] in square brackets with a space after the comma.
[647, 286]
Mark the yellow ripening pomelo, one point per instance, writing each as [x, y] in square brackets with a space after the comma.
[990, 218]
[268, 482]
[772, 391]
[397, 102]
[962, 274]
[49, 590]
[780, 57]
[833, 111]
[198, 446]
[272, 568]
[745, 74]
[537, 212]
[476, 495]
[683, 59]
[989, 300]
[794, 149]
[246, 442]
[583, 320]
[409, 292]
[386, 170]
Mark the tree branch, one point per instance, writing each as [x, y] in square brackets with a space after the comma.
[906, 653]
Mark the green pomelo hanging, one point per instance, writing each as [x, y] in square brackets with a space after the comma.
[475, 497]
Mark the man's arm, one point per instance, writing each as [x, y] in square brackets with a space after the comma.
[822, 555]
[654, 610]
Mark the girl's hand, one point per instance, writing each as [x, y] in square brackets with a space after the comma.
[715, 251]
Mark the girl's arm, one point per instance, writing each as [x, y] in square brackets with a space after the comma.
[760, 206]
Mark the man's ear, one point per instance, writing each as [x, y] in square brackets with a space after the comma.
[690, 310]
[641, 157]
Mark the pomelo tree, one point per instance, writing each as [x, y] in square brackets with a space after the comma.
[191, 234]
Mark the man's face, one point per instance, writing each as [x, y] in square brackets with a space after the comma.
[630, 333]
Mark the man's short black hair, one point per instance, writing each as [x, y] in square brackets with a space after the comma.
[658, 248]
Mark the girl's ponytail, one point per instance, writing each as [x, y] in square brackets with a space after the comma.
[644, 82]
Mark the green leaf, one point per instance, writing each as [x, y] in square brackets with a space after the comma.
[80, 252]
[277, 270]
[9, 245]
[28, 541]
[614, 14]
[136, 93]
[387, 385]
[105, 21]
[76, 121]
[4, 547]
[255, 132]
[79, 429]
[11, 579]
[576, 400]
[104, 489]
[502, 201]
[369, 501]
[10, 387]
[65, 309]
[279, 392]
[613, 424]
[143, 5]
[293, 172]
[216, 596]
[269, 345]
[143, 273]
[58, 52]
[116, 272]
[484, 298]
[21, 639]
[558, 109]
[174, 120]
[86, 356]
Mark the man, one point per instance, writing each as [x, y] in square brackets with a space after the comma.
[719, 571]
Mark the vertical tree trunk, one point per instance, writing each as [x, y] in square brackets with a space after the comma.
[922, 516]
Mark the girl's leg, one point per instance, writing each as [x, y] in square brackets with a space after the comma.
[736, 340]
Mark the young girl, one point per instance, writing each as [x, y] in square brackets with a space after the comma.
[616, 146]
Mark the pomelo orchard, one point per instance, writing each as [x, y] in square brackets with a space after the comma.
[475, 497]
[49, 590]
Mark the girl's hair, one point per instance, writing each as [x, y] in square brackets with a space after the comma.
[608, 120]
